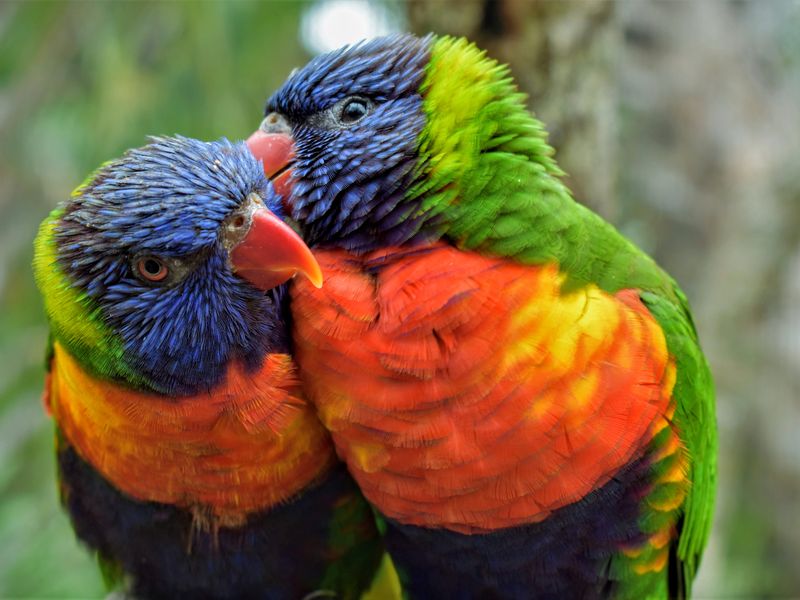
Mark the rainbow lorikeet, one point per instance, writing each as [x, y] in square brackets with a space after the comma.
[188, 458]
[517, 389]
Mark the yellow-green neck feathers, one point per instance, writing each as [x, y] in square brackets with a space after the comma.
[74, 318]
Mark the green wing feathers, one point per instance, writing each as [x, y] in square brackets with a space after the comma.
[695, 420]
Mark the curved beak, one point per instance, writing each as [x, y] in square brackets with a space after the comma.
[264, 250]
[273, 145]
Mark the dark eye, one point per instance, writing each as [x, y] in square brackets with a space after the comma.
[354, 110]
[151, 268]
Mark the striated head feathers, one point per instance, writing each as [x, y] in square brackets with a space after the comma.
[136, 271]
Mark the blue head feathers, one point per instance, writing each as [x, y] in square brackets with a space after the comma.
[142, 242]
[356, 115]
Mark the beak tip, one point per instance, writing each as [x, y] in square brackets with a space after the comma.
[315, 276]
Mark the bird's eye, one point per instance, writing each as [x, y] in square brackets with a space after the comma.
[151, 268]
[354, 110]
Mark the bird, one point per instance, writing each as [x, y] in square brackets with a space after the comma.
[188, 458]
[517, 389]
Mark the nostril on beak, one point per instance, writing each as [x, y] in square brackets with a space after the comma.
[238, 223]
[235, 229]
[275, 123]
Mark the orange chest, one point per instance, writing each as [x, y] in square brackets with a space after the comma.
[251, 443]
[469, 392]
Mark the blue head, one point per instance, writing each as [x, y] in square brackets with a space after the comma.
[355, 115]
[148, 272]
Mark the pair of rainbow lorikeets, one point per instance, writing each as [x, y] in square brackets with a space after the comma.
[472, 373]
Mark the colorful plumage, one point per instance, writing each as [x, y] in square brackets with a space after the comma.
[516, 388]
[188, 458]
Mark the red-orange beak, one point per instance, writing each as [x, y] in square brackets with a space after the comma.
[275, 151]
[264, 250]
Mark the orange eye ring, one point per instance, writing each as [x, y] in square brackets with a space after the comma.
[152, 269]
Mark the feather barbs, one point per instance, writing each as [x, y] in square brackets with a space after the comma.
[249, 444]
[478, 394]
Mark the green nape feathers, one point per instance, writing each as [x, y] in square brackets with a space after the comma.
[490, 169]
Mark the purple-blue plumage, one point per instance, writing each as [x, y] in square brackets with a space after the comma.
[383, 69]
[351, 180]
[170, 198]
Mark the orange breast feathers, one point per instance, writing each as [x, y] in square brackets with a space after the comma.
[468, 392]
[250, 444]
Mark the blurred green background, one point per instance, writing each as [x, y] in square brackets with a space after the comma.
[677, 121]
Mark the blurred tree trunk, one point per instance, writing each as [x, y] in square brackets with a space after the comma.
[710, 93]
[560, 55]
